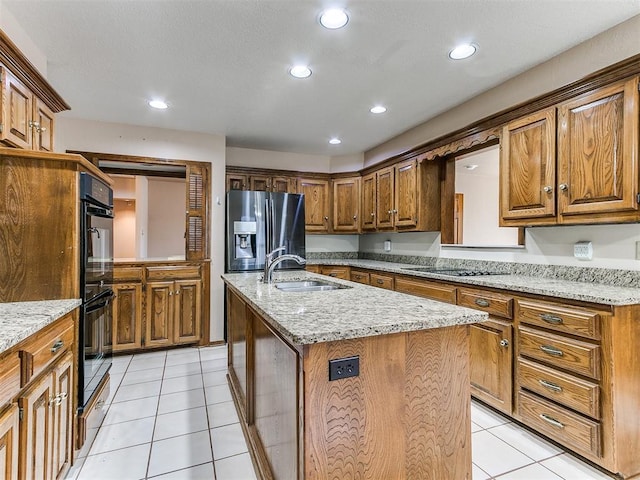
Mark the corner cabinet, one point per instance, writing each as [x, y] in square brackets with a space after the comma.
[316, 204]
[592, 177]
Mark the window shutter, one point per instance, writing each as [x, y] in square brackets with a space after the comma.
[196, 227]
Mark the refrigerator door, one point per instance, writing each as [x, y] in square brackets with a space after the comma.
[285, 226]
[246, 230]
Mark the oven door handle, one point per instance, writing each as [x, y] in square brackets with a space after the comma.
[105, 298]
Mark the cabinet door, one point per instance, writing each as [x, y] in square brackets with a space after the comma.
[260, 183]
[43, 128]
[36, 430]
[236, 181]
[9, 443]
[188, 311]
[237, 335]
[406, 194]
[159, 314]
[316, 204]
[63, 416]
[283, 184]
[528, 168]
[197, 247]
[16, 111]
[127, 316]
[369, 202]
[385, 198]
[346, 205]
[598, 151]
[491, 363]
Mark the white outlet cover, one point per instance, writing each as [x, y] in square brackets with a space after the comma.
[583, 250]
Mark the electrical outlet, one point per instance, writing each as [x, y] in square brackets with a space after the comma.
[583, 250]
[344, 368]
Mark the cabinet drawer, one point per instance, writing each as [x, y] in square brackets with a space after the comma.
[421, 288]
[171, 273]
[568, 390]
[337, 272]
[573, 320]
[575, 355]
[45, 347]
[568, 428]
[382, 281]
[360, 277]
[313, 268]
[492, 303]
[9, 377]
[127, 274]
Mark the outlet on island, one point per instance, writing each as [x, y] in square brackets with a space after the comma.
[344, 368]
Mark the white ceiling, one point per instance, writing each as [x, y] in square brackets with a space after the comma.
[222, 65]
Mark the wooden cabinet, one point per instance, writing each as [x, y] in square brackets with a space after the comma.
[385, 199]
[63, 424]
[246, 180]
[592, 177]
[26, 121]
[369, 202]
[127, 317]
[346, 205]
[343, 273]
[9, 443]
[360, 276]
[491, 351]
[316, 204]
[237, 181]
[426, 288]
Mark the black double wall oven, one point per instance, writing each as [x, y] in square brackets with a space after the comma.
[96, 278]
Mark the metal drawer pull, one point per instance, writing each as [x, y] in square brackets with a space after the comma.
[550, 386]
[551, 350]
[481, 302]
[551, 420]
[58, 344]
[504, 342]
[547, 317]
[379, 281]
[333, 274]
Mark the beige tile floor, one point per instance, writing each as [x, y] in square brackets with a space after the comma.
[171, 416]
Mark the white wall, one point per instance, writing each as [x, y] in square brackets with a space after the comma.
[19, 37]
[166, 227]
[76, 134]
[248, 157]
[124, 223]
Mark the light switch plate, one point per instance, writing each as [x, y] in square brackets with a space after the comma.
[583, 250]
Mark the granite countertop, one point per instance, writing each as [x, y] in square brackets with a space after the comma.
[19, 320]
[552, 287]
[359, 311]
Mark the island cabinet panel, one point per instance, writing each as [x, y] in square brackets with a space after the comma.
[418, 380]
[127, 316]
[275, 407]
[9, 443]
[237, 333]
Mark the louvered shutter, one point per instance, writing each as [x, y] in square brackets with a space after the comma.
[196, 227]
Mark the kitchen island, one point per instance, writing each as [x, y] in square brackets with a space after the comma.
[403, 410]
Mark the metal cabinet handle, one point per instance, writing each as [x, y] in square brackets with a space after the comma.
[379, 281]
[563, 187]
[554, 319]
[389, 212]
[355, 216]
[548, 349]
[333, 274]
[481, 302]
[548, 189]
[551, 420]
[550, 385]
[504, 342]
[177, 292]
[326, 218]
[373, 214]
[57, 345]
[170, 293]
[63, 395]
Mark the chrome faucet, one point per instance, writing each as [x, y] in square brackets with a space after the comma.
[270, 263]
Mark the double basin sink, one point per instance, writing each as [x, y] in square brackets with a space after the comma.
[308, 286]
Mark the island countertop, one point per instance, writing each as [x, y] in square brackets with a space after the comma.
[359, 311]
[19, 320]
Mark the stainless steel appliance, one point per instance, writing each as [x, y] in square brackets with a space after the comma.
[96, 277]
[260, 222]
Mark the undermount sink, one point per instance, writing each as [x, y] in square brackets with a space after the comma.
[308, 286]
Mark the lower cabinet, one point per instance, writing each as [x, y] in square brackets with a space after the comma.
[341, 272]
[127, 316]
[9, 441]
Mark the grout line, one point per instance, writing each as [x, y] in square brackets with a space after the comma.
[155, 420]
[206, 410]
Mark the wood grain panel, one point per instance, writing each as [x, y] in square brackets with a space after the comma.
[574, 355]
[9, 443]
[316, 203]
[417, 380]
[9, 377]
[359, 276]
[17, 111]
[565, 319]
[127, 316]
[338, 272]
[598, 151]
[260, 183]
[236, 181]
[490, 302]
[187, 311]
[159, 313]
[283, 184]
[43, 134]
[568, 390]
[427, 289]
[237, 338]
[385, 198]
[172, 272]
[382, 281]
[528, 167]
[369, 202]
[406, 194]
[127, 274]
[346, 205]
[63, 422]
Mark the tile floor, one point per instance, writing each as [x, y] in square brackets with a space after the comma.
[171, 416]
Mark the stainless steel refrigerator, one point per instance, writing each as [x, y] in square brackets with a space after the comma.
[259, 222]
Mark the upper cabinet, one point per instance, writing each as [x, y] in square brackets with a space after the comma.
[369, 202]
[316, 204]
[28, 102]
[258, 181]
[592, 177]
[346, 205]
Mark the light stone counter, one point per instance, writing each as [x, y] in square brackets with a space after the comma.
[359, 311]
[19, 320]
[553, 287]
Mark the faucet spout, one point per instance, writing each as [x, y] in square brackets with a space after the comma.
[271, 263]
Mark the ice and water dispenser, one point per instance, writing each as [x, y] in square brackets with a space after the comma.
[244, 234]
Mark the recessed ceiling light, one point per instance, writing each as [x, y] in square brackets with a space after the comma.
[335, 141]
[378, 109]
[158, 104]
[462, 51]
[300, 71]
[334, 18]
